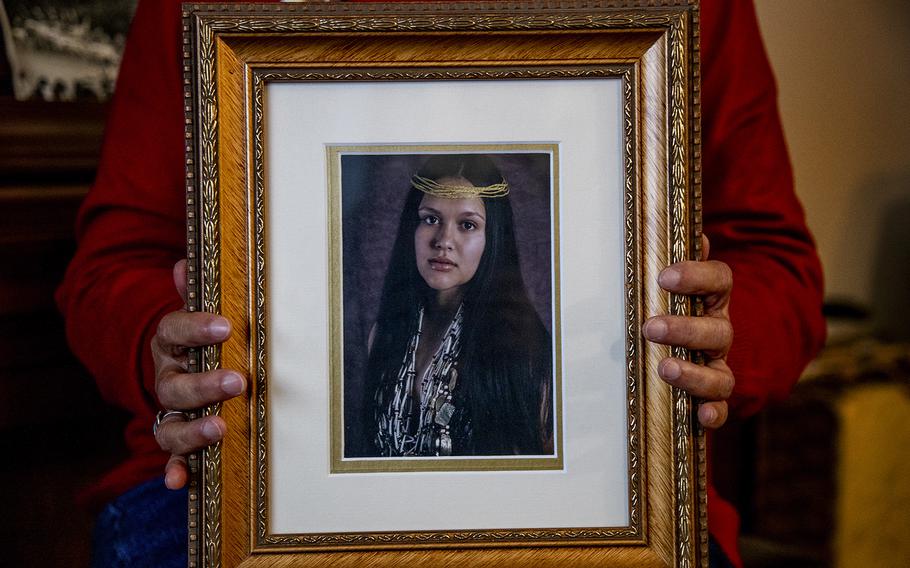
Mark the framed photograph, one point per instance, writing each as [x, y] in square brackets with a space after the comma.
[369, 189]
[436, 230]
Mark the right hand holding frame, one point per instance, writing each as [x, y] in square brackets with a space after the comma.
[177, 389]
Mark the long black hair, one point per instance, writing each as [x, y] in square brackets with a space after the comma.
[503, 396]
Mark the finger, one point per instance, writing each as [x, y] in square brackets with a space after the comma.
[712, 414]
[178, 330]
[705, 247]
[713, 381]
[708, 278]
[175, 472]
[180, 279]
[178, 437]
[711, 335]
[185, 391]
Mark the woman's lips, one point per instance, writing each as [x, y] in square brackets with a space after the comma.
[442, 264]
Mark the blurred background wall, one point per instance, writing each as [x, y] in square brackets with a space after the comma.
[843, 70]
[821, 480]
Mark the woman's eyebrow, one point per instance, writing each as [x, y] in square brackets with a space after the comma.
[425, 209]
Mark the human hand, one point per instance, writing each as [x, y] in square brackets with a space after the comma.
[712, 334]
[178, 390]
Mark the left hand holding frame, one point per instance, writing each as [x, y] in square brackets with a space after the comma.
[711, 334]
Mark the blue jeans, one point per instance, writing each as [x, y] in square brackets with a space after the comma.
[716, 556]
[145, 526]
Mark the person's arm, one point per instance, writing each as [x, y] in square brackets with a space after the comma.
[751, 213]
[758, 235]
[131, 227]
[130, 232]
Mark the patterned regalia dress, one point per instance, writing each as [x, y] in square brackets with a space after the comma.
[420, 416]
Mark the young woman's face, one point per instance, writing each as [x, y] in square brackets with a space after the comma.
[449, 240]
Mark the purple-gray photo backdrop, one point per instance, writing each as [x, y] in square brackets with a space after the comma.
[373, 191]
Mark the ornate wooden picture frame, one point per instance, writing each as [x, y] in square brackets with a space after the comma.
[604, 95]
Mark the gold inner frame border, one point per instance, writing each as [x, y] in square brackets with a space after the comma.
[339, 464]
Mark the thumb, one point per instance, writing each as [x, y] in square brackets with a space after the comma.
[180, 279]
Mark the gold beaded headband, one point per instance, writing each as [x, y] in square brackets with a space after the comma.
[458, 191]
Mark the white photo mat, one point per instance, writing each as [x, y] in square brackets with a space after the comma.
[585, 119]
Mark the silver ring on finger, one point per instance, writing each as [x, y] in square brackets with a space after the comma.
[164, 415]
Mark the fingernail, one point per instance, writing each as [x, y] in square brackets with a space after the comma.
[171, 479]
[655, 329]
[669, 278]
[232, 384]
[710, 415]
[219, 327]
[671, 370]
[211, 431]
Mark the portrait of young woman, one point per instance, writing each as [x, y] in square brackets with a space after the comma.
[448, 305]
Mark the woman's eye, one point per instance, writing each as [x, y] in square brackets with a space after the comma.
[468, 225]
[429, 219]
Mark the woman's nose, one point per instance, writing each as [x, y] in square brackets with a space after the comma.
[443, 238]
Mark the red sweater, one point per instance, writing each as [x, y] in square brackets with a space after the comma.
[131, 230]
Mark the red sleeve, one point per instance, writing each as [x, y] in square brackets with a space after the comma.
[130, 229]
[755, 224]
[751, 213]
[130, 232]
